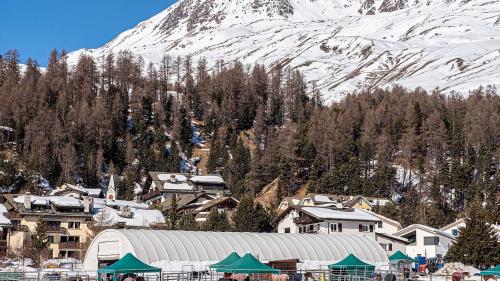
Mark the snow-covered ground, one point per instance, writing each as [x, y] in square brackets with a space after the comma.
[450, 44]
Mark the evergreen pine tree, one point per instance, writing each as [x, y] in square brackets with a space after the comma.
[476, 244]
[172, 215]
[187, 222]
[408, 207]
[186, 132]
[262, 219]
[40, 242]
[238, 167]
[244, 219]
[173, 160]
[217, 221]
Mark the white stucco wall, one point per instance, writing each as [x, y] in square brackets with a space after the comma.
[348, 227]
[418, 248]
[397, 245]
[386, 228]
[453, 229]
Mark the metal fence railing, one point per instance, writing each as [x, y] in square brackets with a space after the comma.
[209, 275]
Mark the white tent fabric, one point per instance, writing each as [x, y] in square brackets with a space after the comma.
[161, 247]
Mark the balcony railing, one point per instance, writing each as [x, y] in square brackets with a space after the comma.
[304, 220]
[19, 227]
[71, 245]
[56, 229]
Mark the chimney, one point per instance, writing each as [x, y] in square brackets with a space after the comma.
[88, 204]
[173, 179]
[27, 201]
[125, 212]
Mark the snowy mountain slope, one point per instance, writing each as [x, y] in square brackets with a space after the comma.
[342, 45]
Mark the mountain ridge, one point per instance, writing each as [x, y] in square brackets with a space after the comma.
[340, 45]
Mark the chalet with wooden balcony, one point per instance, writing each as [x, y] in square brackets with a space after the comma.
[325, 220]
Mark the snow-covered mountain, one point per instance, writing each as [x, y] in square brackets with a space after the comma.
[342, 45]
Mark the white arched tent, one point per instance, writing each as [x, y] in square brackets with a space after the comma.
[172, 250]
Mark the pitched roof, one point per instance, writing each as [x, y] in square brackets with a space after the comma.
[215, 202]
[392, 236]
[400, 256]
[351, 261]
[129, 264]
[384, 219]
[248, 264]
[453, 224]
[352, 202]
[215, 179]
[342, 214]
[412, 227]
[233, 257]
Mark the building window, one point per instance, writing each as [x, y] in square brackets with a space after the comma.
[74, 225]
[70, 239]
[454, 232]
[333, 227]
[300, 229]
[311, 228]
[336, 227]
[50, 238]
[386, 246]
[365, 228]
[431, 241]
[379, 225]
[287, 230]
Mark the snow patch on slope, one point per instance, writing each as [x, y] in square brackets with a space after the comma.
[342, 45]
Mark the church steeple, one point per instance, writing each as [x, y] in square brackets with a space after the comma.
[111, 193]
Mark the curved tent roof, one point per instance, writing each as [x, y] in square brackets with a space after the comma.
[248, 264]
[233, 257]
[162, 247]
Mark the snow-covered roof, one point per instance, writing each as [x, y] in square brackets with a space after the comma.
[382, 218]
[207, 179]
[65, 201]
[100, 203]
[322, 199]
[5, 128]
[166, 247]
[177, 186]
[3, 219]
[344, 214]
[94, 192]
[167, 177]
[60, 201]
[140, 217]
[35, 200]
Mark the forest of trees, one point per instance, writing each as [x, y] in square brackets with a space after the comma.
[78, 124]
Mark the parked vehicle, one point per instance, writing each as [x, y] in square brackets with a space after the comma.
[424, 265]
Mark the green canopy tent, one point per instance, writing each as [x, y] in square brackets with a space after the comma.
[127, 264]
[400, 256]
[400, 262]
[491, 272]
[233, 257]
[351, 266]
[248, 264]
